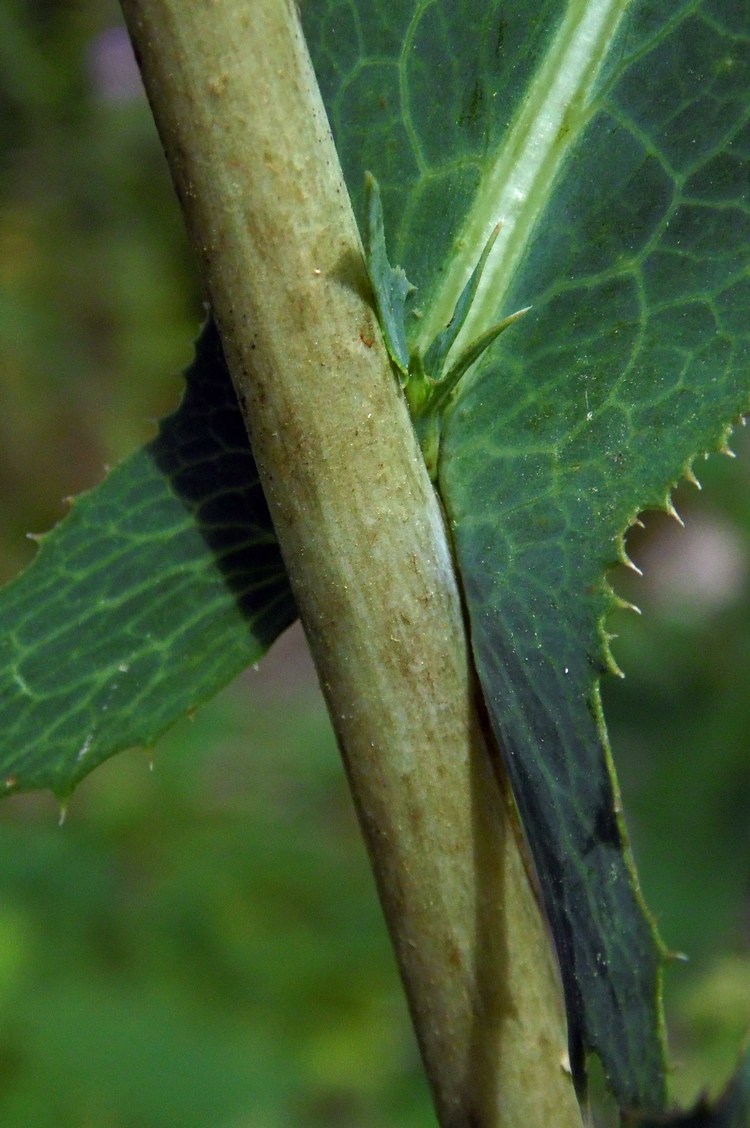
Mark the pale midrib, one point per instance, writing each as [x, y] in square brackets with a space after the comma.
[518, 185]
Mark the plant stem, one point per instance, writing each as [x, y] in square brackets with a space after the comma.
[361, 531]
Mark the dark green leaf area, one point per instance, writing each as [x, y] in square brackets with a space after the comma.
[634, 359]
[731, 1110]
[160, 585]
[421, 94]
[539, 686]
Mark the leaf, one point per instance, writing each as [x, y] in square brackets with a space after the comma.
[390, 285]
[611, 140]
[469, 357]
[160, 585]
[427, 388]
[436, 355]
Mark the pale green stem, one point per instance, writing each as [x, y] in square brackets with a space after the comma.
[241, 120]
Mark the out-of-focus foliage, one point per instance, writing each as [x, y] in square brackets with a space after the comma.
[98, 300]
[201, 946]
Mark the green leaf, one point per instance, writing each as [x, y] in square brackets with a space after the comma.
[390, 285]
[469, 357]
[432, 399]
[435, 357]
[612, 141]
[426, 387]
[159, 586]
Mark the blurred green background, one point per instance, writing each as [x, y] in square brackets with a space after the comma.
[200, 945]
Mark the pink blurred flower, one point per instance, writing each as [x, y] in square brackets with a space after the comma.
[112, 66]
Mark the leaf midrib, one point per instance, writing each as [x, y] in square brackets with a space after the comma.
[518, 183]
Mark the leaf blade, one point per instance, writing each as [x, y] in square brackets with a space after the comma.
[583, 417]
[160, 585]
[574, 222]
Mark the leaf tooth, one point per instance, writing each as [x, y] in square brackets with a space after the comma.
[610, 662]
[625, 559]
[606, 638]
[625, 605]
[672, 512]
[722, 443]
[690, 477]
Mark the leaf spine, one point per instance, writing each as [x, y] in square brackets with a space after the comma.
[625, 605]
[625, 559]
[672, 512]
[610, 663]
